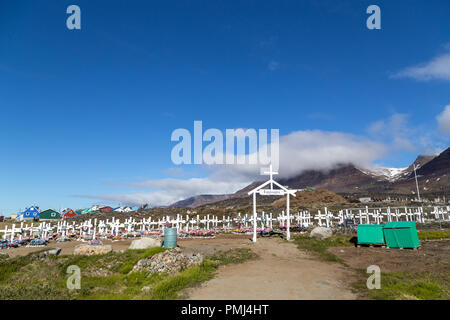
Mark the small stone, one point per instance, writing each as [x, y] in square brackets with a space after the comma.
[54, 252]
[146, 288]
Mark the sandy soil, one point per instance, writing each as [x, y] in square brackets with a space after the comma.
[433, 255]
[204, 246]
[66, 247]
[281, 273]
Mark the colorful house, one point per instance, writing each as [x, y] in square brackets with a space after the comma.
[29, 213]
[86, 211]
[106, 209]
[123, 209]
[49, 214]
[69, 213]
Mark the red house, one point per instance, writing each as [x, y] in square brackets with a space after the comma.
[68, 213]
[106, 209]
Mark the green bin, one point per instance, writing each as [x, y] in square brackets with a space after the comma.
[170, 238]
[401, 234]
[370, 234]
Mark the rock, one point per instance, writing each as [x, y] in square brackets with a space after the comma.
[51, 252]
[170, 261]
[54, 252]
[4, 255]
[145, 243]
[85, 249]
[146, 288]
[321, 233]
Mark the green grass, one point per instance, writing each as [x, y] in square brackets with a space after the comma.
[234, 256]
[10, 266]
[104, 276]
[319, 248]
[169, 288]
[409, 286]
[430, 235]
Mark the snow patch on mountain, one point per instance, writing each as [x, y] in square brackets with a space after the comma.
[390, 174]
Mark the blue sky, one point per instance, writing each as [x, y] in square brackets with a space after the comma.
[87, 114]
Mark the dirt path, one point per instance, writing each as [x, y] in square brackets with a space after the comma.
[283, 272]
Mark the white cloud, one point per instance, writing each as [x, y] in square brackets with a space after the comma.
[436, 69]
[396, 130]
[299, 151]
[322, 150]
[168, 191]
[443, 120]
[399, 135]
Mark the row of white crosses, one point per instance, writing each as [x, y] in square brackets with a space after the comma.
[93, 228]
[304, 218]
[371, 216]
[326, 216]
[25, 230]
[441, 213]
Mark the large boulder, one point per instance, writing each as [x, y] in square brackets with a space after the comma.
[89, 250]
[321, 233]
[170, 261]
[145, 243]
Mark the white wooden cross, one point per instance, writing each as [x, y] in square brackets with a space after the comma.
[281, 191]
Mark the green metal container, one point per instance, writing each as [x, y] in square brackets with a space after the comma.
[370, 234]
[170, 238]
[401, 234]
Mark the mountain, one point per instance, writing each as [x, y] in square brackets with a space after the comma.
[200, 200]
[433, 175]
[344, 178]
[436, 166]
[420, 162]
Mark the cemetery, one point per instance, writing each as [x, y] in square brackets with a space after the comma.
[164, 248]
[28, 233]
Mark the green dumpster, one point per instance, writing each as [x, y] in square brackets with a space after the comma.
[401, 234]
[370, 234]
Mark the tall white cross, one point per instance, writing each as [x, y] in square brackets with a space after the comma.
[270, 173]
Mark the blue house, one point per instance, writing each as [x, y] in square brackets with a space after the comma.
[29, 213]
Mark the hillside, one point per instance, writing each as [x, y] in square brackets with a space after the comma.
[347, 179]
[200, 200]
[307, 198]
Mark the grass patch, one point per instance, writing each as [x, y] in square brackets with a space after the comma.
[170, 287]
[104, 276]
[34, 291]
[319, 247]
[10, 266]
[430, 235]
[409, 286]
